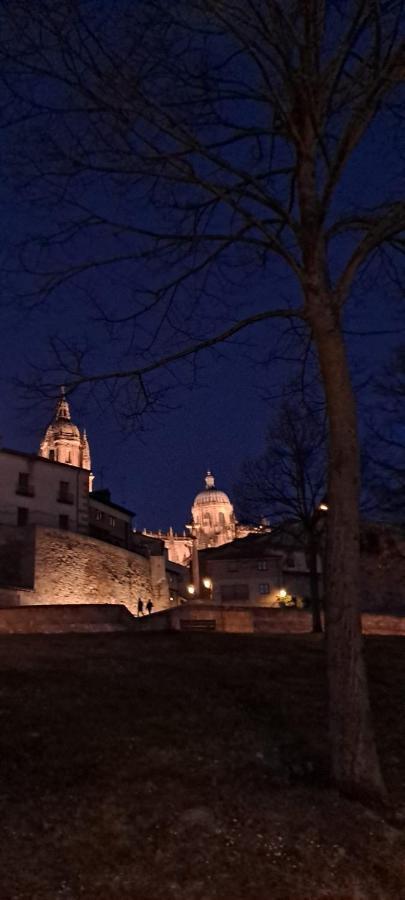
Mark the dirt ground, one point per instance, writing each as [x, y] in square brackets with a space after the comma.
[188, 767]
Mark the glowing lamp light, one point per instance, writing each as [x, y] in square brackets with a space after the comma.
[282, 593]
[324, 507]
[207, 583]
[191, 589]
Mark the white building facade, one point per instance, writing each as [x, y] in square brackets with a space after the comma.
[36, 491]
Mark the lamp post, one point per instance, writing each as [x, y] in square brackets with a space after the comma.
[316, 547]
[207, 585]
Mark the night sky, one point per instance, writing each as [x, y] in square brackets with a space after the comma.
[156, 470]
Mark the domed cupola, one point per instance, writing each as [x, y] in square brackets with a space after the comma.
[213, 519]
[63, 441]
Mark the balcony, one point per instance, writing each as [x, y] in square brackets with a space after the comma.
[65, 497]
[25, 490]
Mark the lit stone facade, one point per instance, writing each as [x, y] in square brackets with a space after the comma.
[213, 519]
[213, 523]
[63, 442]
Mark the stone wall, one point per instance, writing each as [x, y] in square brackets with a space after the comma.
[257, 620]
[75, 568]
[65, 619]
[17, 556]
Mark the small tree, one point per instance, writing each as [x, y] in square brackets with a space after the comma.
[287, 485]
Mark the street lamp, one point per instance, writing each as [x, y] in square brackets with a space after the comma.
[207, 585]
[191, 589]
[282, 593]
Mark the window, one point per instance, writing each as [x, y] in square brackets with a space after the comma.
[234, 592]
[264, 588]
[22, 515]
[207, 519]
[112, 521]
[23, 485]
[262, 565]
[52, 455]
[69, 457]
[64, 523]
[64, 494]
[99, 515]
[221, 518]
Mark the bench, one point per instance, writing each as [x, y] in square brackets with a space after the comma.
[198, 624]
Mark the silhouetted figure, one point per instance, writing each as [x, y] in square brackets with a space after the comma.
[149, 606]
[140, 607]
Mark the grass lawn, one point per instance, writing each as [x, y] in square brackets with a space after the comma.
[188, 767]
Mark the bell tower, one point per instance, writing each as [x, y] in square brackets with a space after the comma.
[63, 442]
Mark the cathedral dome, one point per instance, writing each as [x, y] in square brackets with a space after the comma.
[63, 429]
[211, 494]
[213, 520]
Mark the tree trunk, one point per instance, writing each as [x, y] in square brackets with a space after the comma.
[354, 759]
[314, 585]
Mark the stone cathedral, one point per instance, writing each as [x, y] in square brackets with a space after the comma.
[63, 442]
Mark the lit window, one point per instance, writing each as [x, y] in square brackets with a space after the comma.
[264, 588]
[262, 565]
[112, 521]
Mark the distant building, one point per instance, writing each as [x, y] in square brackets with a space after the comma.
[56, 536]
[63, 442]
[261, 569]
[212, 517]
[36, 491]
[108, 521]
[213, 524]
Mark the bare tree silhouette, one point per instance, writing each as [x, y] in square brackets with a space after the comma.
[205, 142]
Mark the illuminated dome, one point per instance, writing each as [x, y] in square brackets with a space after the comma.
[63, 441]
[213, 520]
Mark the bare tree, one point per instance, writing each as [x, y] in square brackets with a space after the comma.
[287, 485]
[210, 140]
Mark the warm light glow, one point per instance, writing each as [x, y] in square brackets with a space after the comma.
[207, 583]
[324, 507]
[282, 593]
[191, 589]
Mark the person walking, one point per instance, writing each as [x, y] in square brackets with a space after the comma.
[140, 607]
[149, 606]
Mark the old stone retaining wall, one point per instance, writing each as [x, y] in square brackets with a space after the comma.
[75, 568]
[258, 620]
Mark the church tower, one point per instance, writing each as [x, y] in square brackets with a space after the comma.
[63, 441]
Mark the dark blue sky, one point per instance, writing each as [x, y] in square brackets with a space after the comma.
[157, 471]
